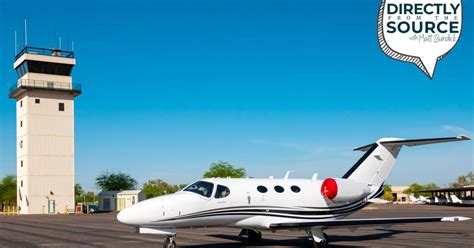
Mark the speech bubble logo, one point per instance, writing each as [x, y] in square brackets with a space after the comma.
[419, 32]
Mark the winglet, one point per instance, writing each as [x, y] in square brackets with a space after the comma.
[455, 218]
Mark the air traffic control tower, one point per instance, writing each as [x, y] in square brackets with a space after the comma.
[44, 96]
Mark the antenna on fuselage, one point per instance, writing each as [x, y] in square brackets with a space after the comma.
[287, 174]
[315, 177]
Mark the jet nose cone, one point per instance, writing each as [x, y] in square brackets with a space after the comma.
[122, 216]
[127, 216]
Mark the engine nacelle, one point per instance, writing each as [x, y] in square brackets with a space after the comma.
[344, 190]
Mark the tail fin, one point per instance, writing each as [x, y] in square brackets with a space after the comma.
[413, 198]
[375, 165]
[455, 199]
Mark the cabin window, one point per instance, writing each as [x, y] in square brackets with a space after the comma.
[201, 187]
[61, 106]
[295, 189]
[37, 101]
[262, 189]
[222, 192]
[279, 189]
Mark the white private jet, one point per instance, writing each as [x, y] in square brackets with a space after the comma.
[415, 200]
[429, 200]
[457, 201]
[312, 205]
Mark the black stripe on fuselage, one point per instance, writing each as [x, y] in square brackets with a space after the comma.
[360, 161]
[261, 214]
[270, 212]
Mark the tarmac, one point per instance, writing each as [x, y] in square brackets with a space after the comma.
[103, 230]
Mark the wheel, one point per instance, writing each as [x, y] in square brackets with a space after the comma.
[322, 243]
[172, 244]
[254, 236]
[169, 243]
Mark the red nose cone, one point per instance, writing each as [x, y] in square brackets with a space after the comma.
[329, 188]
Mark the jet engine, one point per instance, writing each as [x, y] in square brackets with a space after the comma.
[344, 190]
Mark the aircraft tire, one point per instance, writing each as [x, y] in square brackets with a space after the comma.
[254, 236]
[169, 243]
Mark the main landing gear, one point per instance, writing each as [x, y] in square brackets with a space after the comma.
[254, 236]
[169, 242]
[320, 239]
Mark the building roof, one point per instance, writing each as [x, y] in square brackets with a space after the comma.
[398, 189]
[109, 192]
[459, 189]
[129, 192]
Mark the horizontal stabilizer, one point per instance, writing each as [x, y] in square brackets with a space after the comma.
[362, 222]
[413, 142]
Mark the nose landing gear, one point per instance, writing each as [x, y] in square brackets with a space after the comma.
[320, 239]
[169, 242]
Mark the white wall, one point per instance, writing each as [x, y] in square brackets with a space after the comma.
[47, 135]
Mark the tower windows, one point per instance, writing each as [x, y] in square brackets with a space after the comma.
[37, 101]
[61, 106]
[21, 163]
[47, 68]
[21, 104]
[21, 123]
[21, 183]
[22, 69]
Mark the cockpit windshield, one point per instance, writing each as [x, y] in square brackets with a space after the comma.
[201, 187]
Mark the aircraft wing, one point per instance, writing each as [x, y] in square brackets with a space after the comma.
[365, 222]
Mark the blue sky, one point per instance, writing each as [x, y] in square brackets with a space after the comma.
[170, 87]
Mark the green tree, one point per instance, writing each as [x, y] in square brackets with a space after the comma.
[417, 187]
[387, 195]
[464, 180]
[78, 190]
[223, 170]
[107, 181]
[88, 197]
[387, 187]
[8, 190]
[159, 187]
